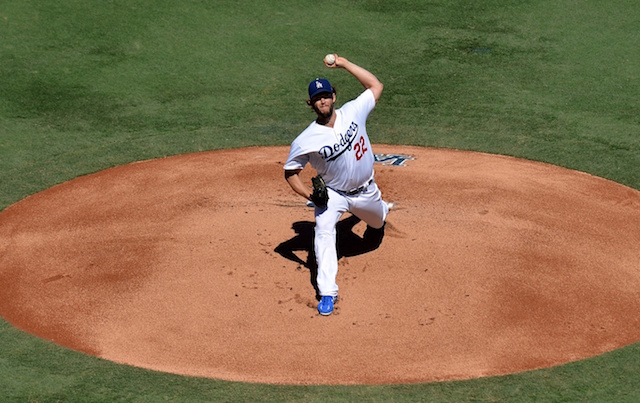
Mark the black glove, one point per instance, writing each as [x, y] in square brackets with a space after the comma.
[320, 196]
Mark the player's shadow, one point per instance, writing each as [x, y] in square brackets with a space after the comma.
[348, 243]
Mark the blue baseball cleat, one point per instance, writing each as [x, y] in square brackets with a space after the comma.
[325, 306]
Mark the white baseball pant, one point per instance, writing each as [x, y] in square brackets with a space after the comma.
[366, 205]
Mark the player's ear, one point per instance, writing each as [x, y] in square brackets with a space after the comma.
[309, 102]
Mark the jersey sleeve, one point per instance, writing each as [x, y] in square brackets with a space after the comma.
[363, 104]
[297, 159]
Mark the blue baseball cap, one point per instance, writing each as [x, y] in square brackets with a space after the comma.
[319, 86]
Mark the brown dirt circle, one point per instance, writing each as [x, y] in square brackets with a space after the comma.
[197, 265]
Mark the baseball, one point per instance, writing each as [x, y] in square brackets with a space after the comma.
[330, 59]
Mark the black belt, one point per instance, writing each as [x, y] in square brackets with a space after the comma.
[356, 191]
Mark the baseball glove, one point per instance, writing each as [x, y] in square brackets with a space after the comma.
[320, 196]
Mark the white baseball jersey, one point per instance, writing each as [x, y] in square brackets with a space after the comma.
[341, 154]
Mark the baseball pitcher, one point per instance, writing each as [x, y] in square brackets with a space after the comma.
[336, 145]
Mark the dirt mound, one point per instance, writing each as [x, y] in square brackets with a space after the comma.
[198, 265]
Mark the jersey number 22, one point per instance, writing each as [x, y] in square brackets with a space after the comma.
[360, 148]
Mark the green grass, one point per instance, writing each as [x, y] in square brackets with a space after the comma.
[89, 85]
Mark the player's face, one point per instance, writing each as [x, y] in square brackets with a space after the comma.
[323, 104]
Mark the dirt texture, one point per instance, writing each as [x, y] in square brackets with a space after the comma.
[199, 265]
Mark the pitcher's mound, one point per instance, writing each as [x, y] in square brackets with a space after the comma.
[199, 265]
